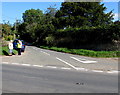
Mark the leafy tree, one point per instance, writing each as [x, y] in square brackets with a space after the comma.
[6, 29]
[32, 15]
[36, 25]
[77, 14]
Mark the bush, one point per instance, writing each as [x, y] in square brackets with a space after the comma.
[5, 51]
[50, 40]
[84, 52]
[77, 37]
[10, 37]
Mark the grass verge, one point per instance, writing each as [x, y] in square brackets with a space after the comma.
[5, 51]
[83, 52]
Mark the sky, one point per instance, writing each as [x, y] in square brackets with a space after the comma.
[14, 10]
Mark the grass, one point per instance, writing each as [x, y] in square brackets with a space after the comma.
[5, 51]
[83, 52]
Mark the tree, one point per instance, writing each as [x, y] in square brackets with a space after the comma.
[32, 15]
[31, 19]
[36, 25]
[77, 14]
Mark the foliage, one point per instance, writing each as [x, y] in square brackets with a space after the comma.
[77, 37]
[50, 40]
[77, 14]
[9, 37]
[5, 51]
[7, 33]
[32, 15]
[36, 27]
[84, 52]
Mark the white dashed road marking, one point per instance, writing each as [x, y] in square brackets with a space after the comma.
[97, 71]
[51, 67]
[66, 68]
[5, 62]
[113, 72]
[83, 60]
[26, 64]
[45, 53]
[15, 63]
[80, 69]
[37, 65]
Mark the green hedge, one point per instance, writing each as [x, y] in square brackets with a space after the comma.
[84, 52]
[75, 37]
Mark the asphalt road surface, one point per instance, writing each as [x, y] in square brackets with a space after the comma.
[21, 79]
[43, 71]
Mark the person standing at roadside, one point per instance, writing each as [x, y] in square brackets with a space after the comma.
[19, 46]
[10, 46]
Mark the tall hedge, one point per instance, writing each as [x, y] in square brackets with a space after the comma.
[87, 35]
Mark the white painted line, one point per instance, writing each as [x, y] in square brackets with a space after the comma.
[45, 53]
[86, 61]
[37, 65]
[110, 72]
[97, 71]
[66, 68]
[5, 62]
[26, 64]
[66, 63]
[15, 63]
[51, 67]
[82, 69]
[113, 71]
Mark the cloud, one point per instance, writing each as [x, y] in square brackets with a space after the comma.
[116, 16]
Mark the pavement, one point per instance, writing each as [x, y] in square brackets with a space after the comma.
[42, 58]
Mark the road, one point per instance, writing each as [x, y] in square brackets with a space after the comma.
[38, 80]
[44, 71]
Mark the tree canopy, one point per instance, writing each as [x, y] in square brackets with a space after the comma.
[77, 14]
[32, 15]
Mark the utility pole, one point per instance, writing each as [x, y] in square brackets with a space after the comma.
[15, 30]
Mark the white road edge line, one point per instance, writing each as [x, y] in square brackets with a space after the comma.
[65, 68]
[51, 66]
[66, 63]
[113, 71]
[45, 53]
[5, 62]
[82, 69]
[97, 71]
[37, 65]
[15, 63]
[26, 64]
[83, 61]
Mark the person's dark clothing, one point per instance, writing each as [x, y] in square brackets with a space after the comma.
[19, 51]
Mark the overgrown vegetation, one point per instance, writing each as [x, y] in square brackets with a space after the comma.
[84, 52]
[5, 51]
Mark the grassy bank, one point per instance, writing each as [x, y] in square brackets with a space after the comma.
[5, 51]
[84, 52]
